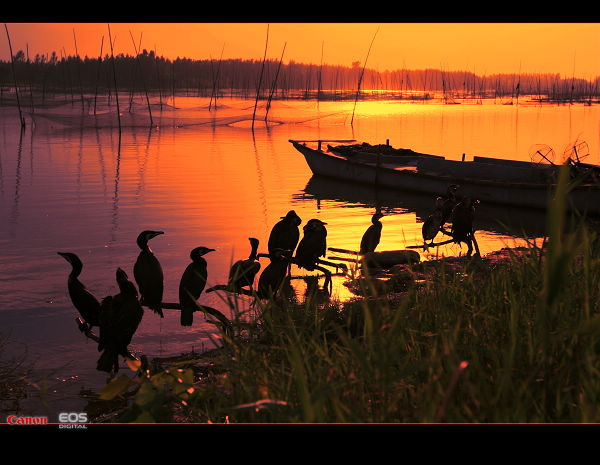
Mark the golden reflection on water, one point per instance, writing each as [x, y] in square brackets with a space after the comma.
[205, 178]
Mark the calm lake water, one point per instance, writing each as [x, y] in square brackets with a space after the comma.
[69, 183]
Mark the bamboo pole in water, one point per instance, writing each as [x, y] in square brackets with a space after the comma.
[112, 56]
[142, 74]
[12, 62]
[260, 78]
[361, 76]
[274, 86]
[158, 78]
[215, 81]
[78, 71]
[98, 73]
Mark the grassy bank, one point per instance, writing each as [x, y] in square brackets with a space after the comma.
[506, 340]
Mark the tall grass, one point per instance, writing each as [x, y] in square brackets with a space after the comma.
[493, 342]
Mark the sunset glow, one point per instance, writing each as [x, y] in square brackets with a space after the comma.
[570, 49]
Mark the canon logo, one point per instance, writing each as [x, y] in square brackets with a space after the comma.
[14, 420]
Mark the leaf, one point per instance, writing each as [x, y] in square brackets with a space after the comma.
[116, 387]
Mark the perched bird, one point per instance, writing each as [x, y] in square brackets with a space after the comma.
[313, 244]
[120, 316]
[274, 274]
[243, 272]
[148, 273]
[433, 223]
[450, 199]
[86, 304]
[192, 282]
[285, 234]
[372, 235]
[462, 223]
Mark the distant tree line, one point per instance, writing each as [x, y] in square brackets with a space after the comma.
[50, 74]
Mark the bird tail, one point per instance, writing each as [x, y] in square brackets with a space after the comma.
[158, 309]
[107, 361]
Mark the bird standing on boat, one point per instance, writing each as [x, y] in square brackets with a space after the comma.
[83, 300]
[463, 229]
[120, 316]
[285, 234]
[148, 273]
[192, 284]
[372, 235]
[243, 272]
[433, 223]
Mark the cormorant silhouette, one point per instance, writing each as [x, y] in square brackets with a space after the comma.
[120, 316]
[83, 300]
[313, 246]
[192, 282]
[463, 229]
[148, 273]
[243, 272]
[450, 199]
[285, 234]
[274, 274]
[372, 235]
[433, 223]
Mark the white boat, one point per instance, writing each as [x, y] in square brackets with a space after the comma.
[491, 180]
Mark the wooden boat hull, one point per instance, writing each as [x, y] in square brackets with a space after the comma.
[586, 198]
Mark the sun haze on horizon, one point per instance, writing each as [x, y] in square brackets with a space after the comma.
[568, 49]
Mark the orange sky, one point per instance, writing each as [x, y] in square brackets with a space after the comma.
[486, 48]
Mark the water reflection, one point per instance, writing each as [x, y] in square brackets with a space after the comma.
[206, 179]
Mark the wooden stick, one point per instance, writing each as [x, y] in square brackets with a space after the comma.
[334, 249]
[426, 246]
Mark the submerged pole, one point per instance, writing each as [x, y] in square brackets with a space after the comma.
[12, 62]
[142, 74]
[361, 76]
[112, 56]
[260, 78]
